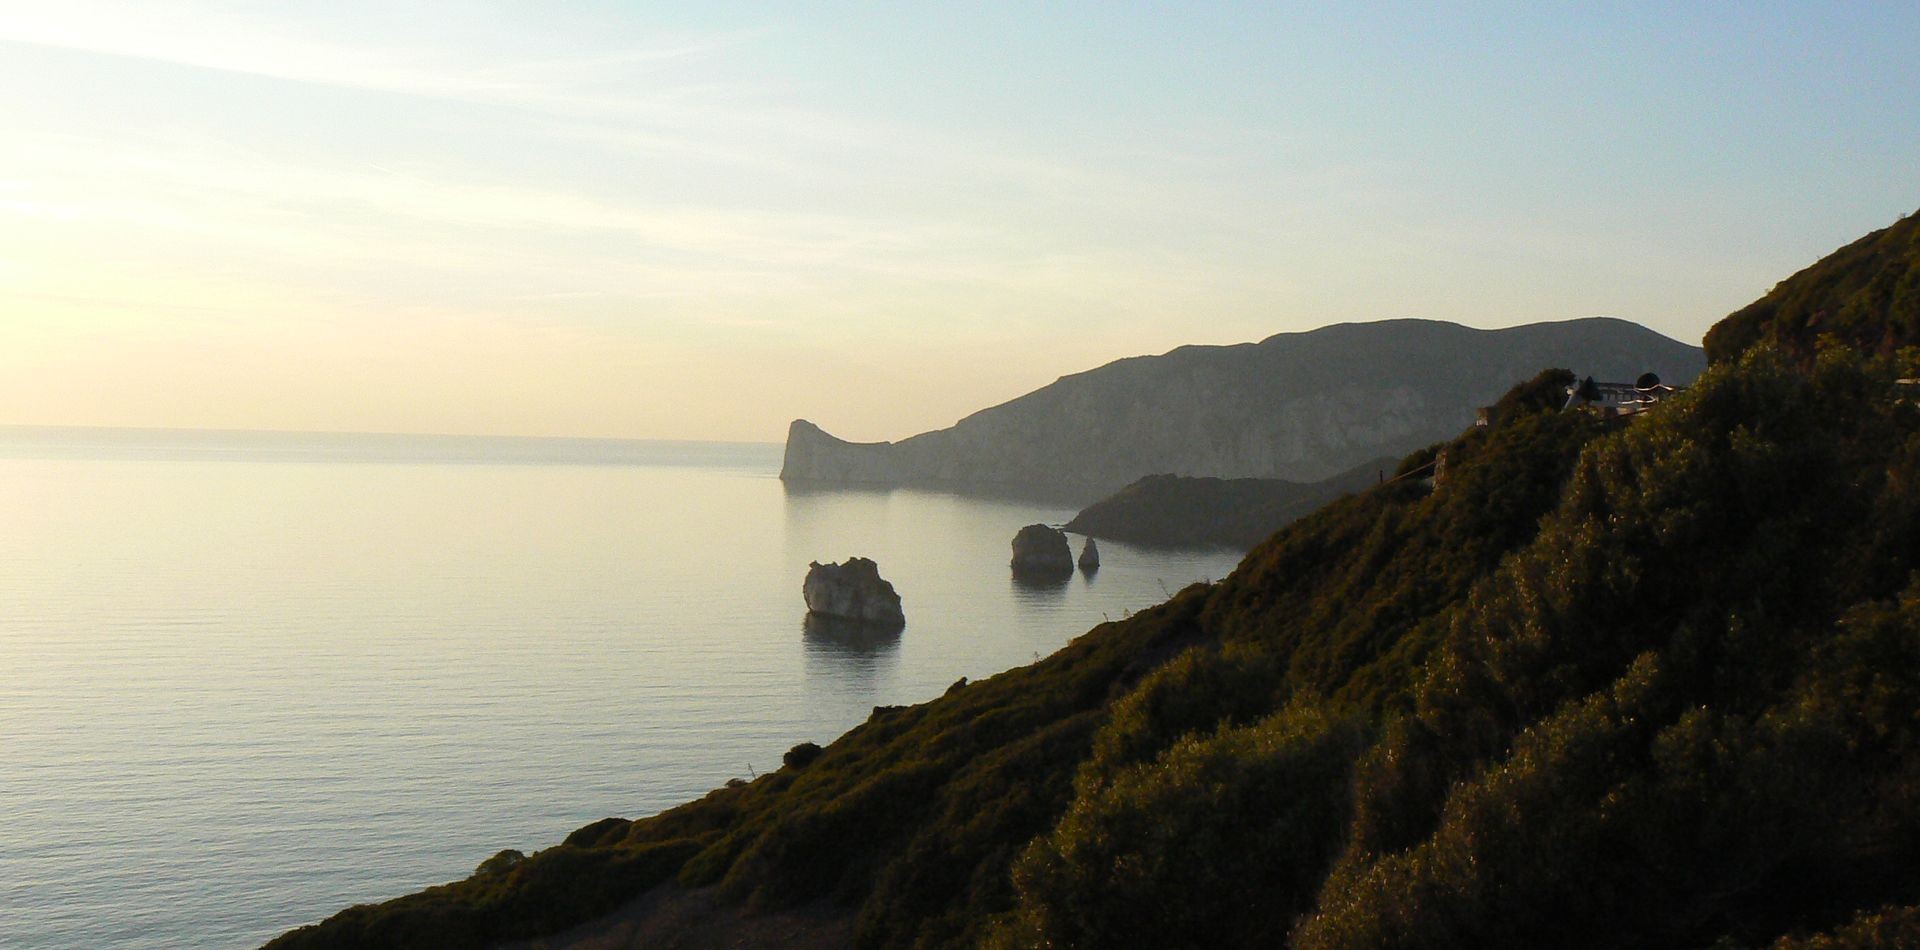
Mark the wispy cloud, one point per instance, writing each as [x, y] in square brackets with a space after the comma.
[204, 39]
[634, 175]
[666, 97]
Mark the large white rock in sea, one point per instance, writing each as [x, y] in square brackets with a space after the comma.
[852, 591]
[1041, 550]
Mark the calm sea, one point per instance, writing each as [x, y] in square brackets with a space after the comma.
[249, 679]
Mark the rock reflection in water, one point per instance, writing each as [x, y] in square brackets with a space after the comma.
[1045, 583]
[855, 655]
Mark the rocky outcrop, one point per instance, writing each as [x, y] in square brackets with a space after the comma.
[814, 456]
[1039, 550]
[853, 591]
[1090, 556]
[1297, 406]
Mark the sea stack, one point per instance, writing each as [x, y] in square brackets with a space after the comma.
[852, 591]
[1041, 551]
[1090, 557]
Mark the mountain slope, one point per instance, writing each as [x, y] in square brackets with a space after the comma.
[1296, 406]
[1640, 684]
[1603, 686]
[1866, 294]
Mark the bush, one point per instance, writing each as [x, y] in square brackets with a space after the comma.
[801, 756]
[1220, 842]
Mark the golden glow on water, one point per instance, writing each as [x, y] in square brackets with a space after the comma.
[240, 694]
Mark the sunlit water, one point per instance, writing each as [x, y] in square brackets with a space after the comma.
[248, 680]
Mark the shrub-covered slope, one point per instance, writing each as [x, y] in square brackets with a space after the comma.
[1643, 684]
[914, 819]
[1682, 712]
[1652, 684]
[1866, 294]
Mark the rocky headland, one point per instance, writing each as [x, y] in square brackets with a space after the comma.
[1297, 406]
[1176, 511]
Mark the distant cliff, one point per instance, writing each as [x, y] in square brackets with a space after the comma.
[1296, 406]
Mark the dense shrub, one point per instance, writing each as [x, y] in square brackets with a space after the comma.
[1634, 733]
[1894, 928]
[801, 756]
[1220, 842]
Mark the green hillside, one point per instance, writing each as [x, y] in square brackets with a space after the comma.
[1642, 684]
[1866, 294]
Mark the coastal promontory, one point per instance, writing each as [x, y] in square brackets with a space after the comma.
[1177, 511]
[1297, 406]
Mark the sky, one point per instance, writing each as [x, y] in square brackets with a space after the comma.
[702, 220]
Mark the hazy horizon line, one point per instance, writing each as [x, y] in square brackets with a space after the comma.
[12, 427]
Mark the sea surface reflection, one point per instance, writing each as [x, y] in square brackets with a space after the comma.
[248, 680]
[850, 657]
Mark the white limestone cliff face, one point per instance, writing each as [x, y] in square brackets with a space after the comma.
[814, 456]
[1300, 406]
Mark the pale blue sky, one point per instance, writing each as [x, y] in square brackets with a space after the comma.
[702, 220]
